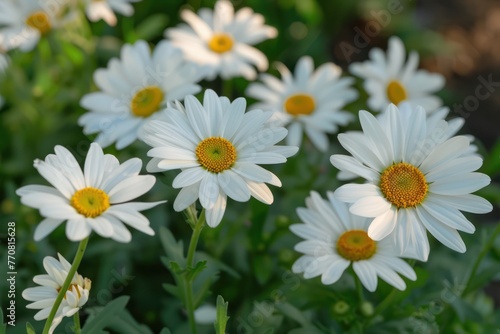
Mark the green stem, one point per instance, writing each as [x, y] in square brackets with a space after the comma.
[67, 282]
[385, 303]
[359, 289]
[76, 320]
[227, 88]
[197, 224]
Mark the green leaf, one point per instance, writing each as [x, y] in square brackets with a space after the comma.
[97, 322]
[198, 268]
[222, 318]
[165, 331]
[263, 268]
[152, 27]
[293, 313]
[173, 249]
[30, 329]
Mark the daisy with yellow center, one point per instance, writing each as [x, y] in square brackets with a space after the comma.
[335, 239]
[309, 101]
[24, 22]
[44, 295]
[218, 147]
[417, 180]
[92, 200]
[221, 40]
[134, 89]
[388, 79]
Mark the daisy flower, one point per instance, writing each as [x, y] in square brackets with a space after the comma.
[414, 181]
[222, 39]
[104, 9]
[44, 296]
[92, 200]
[134, 88]
[218, 146]
[387, 79]
[436, 127]
[336, 239]
[26, 21]
[310, 101]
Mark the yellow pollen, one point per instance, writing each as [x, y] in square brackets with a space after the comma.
[396, 92]
[403, 185]
[221, 43]
[300, 104]
[216, 154]
[146, 101]
[39, 20]
[90, 202]
[356, 245]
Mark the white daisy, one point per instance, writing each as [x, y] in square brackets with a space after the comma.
[436, 127]
[415, 181]
[134, 88]
[104, 9]
[335, 239]
[218, 146]
[44, 296]
[310, 101]
[90, 200]
[222, 39]
[26, 21]
[387, 79]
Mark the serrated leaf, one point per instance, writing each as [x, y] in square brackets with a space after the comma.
[104, 317]
[222, 318]
[198, 268]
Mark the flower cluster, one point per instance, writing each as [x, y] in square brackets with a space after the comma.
[416, 174]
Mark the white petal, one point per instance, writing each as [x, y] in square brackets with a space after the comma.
[347, 163]
[209, 191]
[383, 225]
[334, 271]
[93, 169]
[214, 215]
[366, 273]
[77, 229]
[370, 206]
[45, 227]
[186, 197]
[460, 184]
[351, 192]
[131, 188]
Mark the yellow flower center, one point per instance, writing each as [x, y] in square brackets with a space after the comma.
[403, 185]
[396, 92]
[356, 245]
[300, 104]
[147, 101]
[221, 43]
[90, 202]
[216, 154]
[39, 20]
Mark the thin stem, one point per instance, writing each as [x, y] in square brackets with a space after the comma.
[67, 282]
[197, 225]
[76, 320]
[359, 289]
[227, 88]
[385, 303]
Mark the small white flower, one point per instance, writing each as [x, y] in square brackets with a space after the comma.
[133, 90]
[44, 296]
[335, 239]
[309, 101]
[221, 39]
[416, 180]
[104, 9]
[92, 200]
[218, 146]
[205, 314]
[26, 21]
[387, 79]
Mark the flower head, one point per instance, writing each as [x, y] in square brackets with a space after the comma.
[416, 180]
[133, 90]
[309, 101]
[26, 21]
[218, 146]
[221, 39]
[104, 9]
[387, 79]
[92, 200]
[336, 239]
[44, 296]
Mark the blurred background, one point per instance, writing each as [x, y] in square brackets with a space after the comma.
[251, 251]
